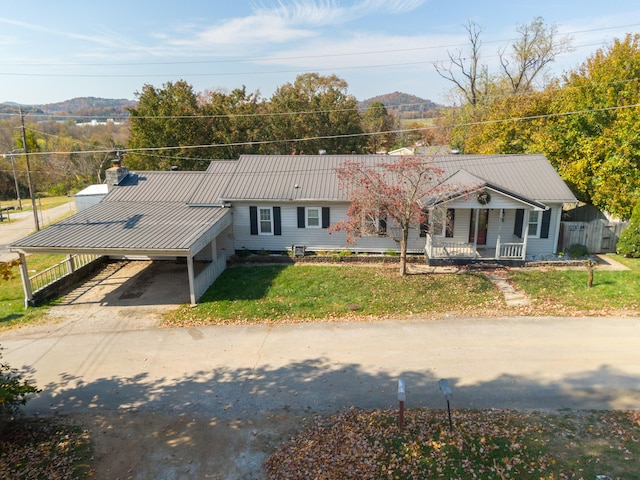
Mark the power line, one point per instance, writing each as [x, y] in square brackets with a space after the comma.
[330, 137]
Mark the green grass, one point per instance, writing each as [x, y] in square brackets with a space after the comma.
[611, 290]
[284, 293]
[484, 444]
[12, 311]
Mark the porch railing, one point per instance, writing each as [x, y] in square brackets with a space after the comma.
[66, 267]
[510, 250]
[449, 249]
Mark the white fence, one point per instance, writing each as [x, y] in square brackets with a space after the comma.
[599, 236]
[60, 270]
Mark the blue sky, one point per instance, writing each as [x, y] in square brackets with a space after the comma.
[52, 51]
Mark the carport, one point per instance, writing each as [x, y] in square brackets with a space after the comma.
[158, 230]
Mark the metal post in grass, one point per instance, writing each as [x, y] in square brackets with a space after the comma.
[445, 388]
[402, 396]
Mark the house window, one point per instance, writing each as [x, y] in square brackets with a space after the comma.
[265, 224]
[443, 222]
[313, 217]
[534, 223]
[375, 224]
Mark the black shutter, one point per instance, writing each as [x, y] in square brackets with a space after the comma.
[253, 219]
[382, 224]
[301, 219]
[277, 223]
[325, 217]
[424, 226]
[517, 229]
[546, 221]
[451, 218]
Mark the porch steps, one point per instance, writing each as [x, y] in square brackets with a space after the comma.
[512, 297]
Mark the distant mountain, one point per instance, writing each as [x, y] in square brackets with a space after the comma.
[81, 109]
[404, 105]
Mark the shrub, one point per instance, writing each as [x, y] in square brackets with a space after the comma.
[14, 391]
[629, 242]
[577, 251]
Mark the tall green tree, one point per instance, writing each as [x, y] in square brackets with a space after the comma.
[377, 122]
[235, 120]
[167, 117]
[315, 113]
[596, 145]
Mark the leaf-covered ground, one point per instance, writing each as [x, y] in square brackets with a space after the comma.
[43, 449]
[488, 444]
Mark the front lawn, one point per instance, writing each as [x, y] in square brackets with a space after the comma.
[484, 444]
[560, 292]
[313, 292]
[12, 311]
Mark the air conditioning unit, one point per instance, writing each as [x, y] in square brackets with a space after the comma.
[298, 250]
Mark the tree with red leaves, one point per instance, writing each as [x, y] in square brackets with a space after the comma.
[393, 193]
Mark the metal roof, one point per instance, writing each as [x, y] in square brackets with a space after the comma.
[213, 183]
[118, 226]
[313, 177]
[149, 186]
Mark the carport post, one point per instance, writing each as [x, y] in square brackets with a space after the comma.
[26, 283]
[192, 291]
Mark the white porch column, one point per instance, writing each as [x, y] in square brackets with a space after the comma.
[475, 234]
[500, 220]
[71, 264]
[526, 234]
[26, 283]
[192, 288]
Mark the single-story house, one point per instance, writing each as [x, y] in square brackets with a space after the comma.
[501, 207]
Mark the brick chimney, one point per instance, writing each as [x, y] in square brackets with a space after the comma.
[116, 174]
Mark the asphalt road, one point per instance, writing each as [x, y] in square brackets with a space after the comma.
[525, 363]
[19, 224]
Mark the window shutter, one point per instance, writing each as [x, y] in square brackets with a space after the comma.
[451, 218]
[546, 222]
[424, 227]
[382, 224]
[301, 219]
[277, 223]
[253, 220]
[325, 217]
[517, 229]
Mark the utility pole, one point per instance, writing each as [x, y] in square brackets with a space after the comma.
[26, 156]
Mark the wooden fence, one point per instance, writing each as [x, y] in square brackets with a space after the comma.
[599, 236]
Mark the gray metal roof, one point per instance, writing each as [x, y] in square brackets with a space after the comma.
[149, 186]
[312, 177]
[213, 183]
[117, 226]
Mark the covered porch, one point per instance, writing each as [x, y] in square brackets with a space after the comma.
[484, 229]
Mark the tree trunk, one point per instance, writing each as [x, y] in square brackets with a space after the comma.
[403, 251]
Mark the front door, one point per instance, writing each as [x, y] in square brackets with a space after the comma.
[483, 223]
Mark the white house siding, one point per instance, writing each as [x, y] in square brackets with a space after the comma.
[314, 239]
[225, 243]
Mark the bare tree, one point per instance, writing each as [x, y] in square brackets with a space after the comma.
[537, 46]
[465, 71]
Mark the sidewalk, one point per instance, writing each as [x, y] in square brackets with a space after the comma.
[21, 223]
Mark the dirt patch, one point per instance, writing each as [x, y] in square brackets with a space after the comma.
[142, 445]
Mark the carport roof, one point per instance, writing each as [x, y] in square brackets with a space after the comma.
[162, 228]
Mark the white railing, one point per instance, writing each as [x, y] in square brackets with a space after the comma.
[511, 250]
[449, 249]
[209, 275]
[60, 270]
